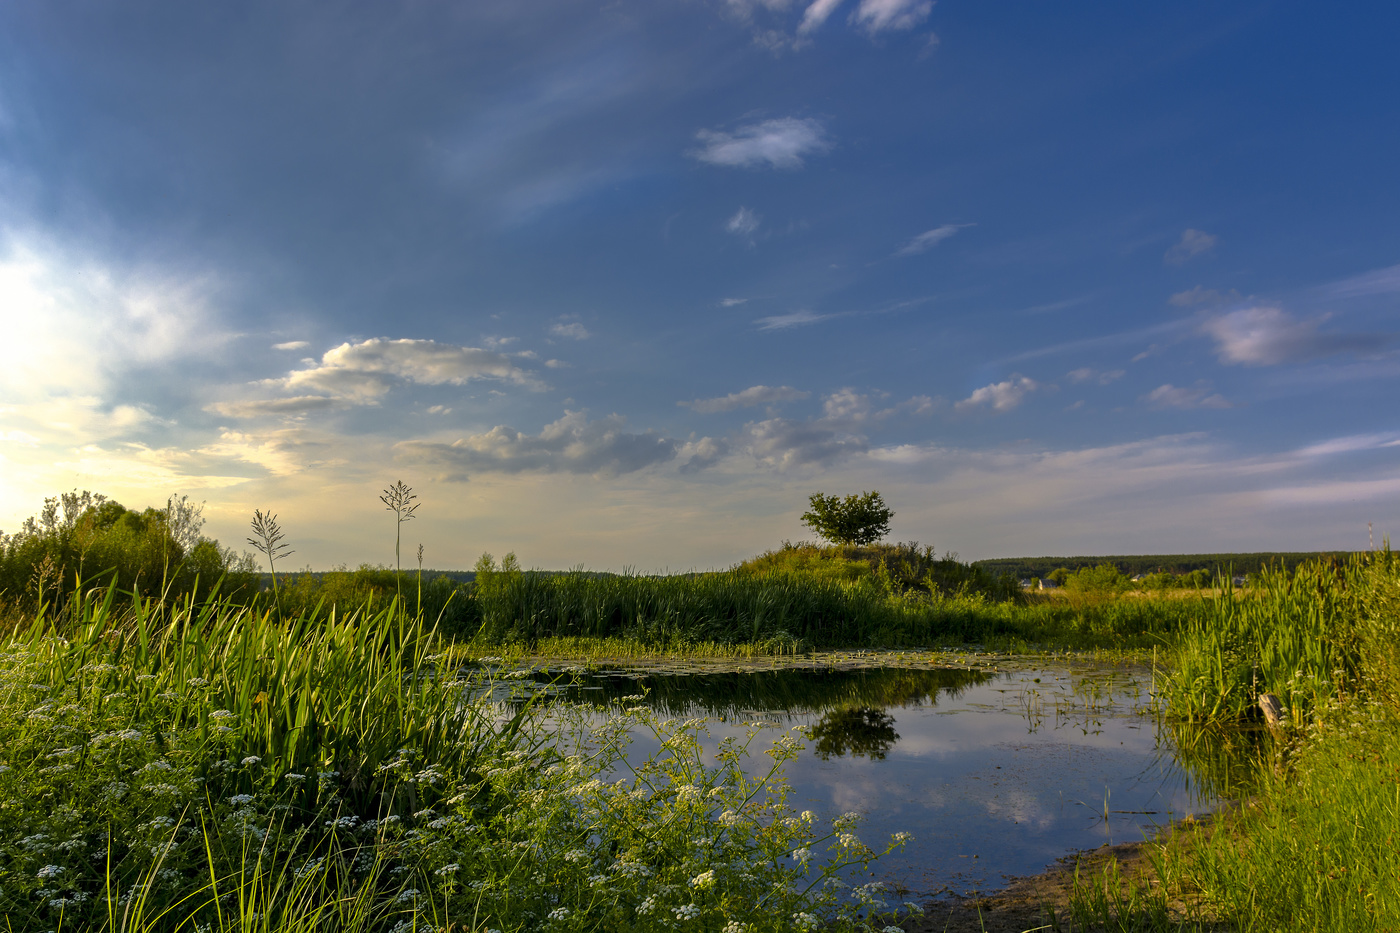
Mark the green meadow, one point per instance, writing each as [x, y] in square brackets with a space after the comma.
[186, 749]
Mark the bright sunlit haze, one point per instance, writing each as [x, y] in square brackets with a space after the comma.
[623, 285]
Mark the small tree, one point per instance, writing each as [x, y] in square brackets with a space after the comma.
[857, 519]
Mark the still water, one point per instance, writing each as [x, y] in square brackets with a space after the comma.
[996, 773]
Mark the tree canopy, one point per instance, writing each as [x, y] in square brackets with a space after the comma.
[857, 519]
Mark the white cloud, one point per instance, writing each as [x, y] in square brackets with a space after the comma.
[1264, 336]
[793, 319]
[571, 331]
[22, 438]
[1191, 244]
[930, 238]
[1086, 374]
[291, 345]
[778, 143]
[363, 372]
[1184, 397]
[816, 14]
[876, 16]
[754, 395]
[731, 302]
[557, 364]
[1001, 396]
[73, 326]
[743, 223]
[573, 444]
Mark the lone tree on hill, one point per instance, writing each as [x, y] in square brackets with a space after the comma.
[857, 519]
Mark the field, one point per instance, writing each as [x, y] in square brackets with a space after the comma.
[186, 753]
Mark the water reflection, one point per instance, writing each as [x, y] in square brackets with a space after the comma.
[781, 694]
[860, 731]
[995, 774]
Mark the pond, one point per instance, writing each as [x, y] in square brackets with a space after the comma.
[997, 773]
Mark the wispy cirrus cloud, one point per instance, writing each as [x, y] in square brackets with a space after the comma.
[744, 224]
[1268, 336]
[754, 395]
[876, 16]
[1185, 397]
[1192, 244]
[929, 239]
[292, 345]
[792, 319]
[1351, 444]
[1379, 282]
[779, 143]
[1000, 396]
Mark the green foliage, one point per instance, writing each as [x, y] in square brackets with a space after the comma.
[857, 519]
[82, 538]
[1099, 580]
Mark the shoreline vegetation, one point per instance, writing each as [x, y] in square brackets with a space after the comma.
[182, 749]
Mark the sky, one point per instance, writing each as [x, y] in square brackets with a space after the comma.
[620, 285]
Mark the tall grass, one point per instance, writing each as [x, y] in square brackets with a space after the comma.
[1306, 636]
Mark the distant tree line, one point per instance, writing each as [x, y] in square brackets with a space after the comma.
[1174, 564]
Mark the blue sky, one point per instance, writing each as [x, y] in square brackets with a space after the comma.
[622, 284]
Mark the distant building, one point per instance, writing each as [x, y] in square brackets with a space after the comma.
[1049, 585]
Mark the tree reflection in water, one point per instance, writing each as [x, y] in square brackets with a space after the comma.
[862, 730]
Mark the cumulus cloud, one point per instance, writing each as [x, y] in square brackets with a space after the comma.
[362, 372]
[778, 143]
[291, 345]
[930, 238]
[784, 443]
[875, 16]
[254, 408]
[698, 455]
[1184, 397]
[1264, 336]
[754, 395]
[1191, 244]
[744, 223]
[572, 331]
[792, 319]
[1001, 396]
[573, 444]
[1086, 374]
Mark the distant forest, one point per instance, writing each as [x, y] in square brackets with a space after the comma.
[1131, 565]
